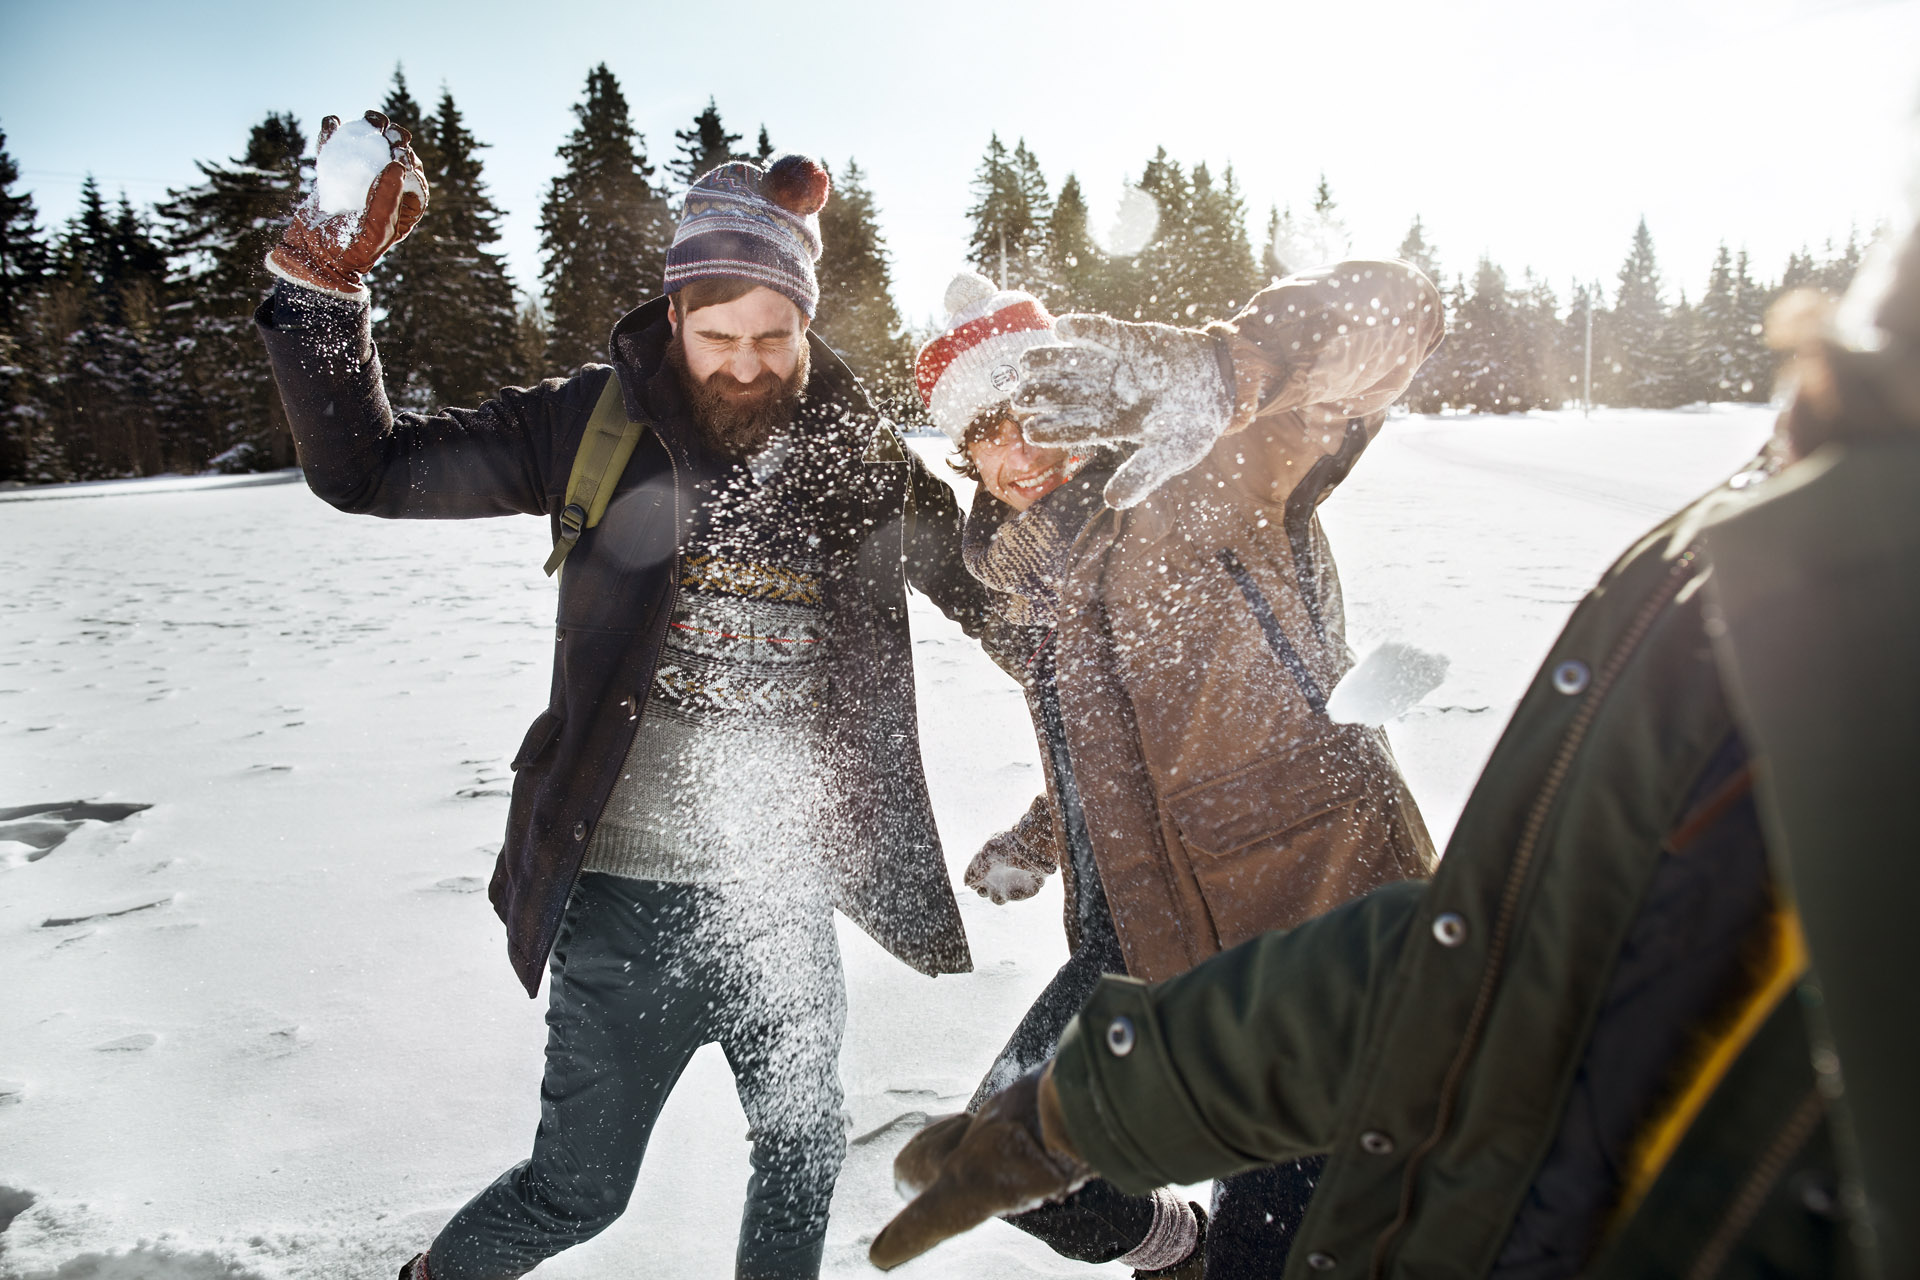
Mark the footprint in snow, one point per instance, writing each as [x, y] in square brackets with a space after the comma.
[457, 884]
[139, 1042]
[11, 1092]
[62, 922]
[41, 828]
[13, 1203]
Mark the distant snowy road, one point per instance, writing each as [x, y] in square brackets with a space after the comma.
[266, 1028]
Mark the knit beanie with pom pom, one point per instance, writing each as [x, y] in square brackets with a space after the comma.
[975, 363]
[753, 224]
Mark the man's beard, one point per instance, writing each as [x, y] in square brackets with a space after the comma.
[738, 420]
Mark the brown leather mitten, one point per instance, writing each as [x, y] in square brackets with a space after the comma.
[1013, 1155]
[336, 235]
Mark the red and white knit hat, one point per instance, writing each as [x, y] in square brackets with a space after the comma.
[975, 363]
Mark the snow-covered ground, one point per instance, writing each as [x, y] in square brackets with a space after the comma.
[266, 1027]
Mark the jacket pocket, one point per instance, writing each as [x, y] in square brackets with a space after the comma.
[539, 737]
[1279, 840]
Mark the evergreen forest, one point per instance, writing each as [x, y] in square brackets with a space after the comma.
[127, 344]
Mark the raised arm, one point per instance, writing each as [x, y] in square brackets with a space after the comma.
[498, 459]
[1333, 344]
[504, 457]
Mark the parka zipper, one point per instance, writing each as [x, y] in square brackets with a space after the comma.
[1677, 576]
[1786, 1144]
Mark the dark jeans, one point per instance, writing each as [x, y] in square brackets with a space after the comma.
[642, 975]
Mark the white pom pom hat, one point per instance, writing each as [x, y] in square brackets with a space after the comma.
[975, 363]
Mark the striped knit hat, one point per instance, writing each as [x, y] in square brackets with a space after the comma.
[753, 224]
[975, 363]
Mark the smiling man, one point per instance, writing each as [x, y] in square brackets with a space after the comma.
[730, 749]
[1185, 626]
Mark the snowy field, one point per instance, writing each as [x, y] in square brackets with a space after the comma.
[266, 1027]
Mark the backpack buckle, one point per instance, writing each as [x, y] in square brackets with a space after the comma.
[572, 520]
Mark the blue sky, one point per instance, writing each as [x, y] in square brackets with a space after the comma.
[1537, 131]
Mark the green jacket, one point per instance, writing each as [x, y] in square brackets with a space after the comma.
[1428, 1037]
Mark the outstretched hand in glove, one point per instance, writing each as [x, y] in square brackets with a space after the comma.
[1173, 390]
[1012, 866]
[368, 193]
[1010, 1156]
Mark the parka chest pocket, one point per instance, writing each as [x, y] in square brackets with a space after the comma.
[1273, 842]
[539, 737]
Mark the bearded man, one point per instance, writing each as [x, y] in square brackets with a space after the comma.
[730, 749]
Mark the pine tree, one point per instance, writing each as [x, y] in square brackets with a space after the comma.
[1420, 251]
[1541, 345]
[1753, 369]
[23, 264]
[405, 281]
[1573, 339]
[1714, 358]
[763, 150]
[1496, 371]
[1271, 263]
[1074, 262]
[531, 334]
[604, 229]
[464, 340]
[1008, 242]
[23, 250]
[1155, 284]
[217, 235]
[1641, 364]
[856, 315]
[1222, 275]
[704, 147]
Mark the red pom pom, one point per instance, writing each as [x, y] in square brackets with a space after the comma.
[797, 184]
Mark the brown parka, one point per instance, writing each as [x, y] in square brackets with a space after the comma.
[1201, 631]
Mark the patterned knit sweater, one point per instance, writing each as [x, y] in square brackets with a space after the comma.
[723, 780]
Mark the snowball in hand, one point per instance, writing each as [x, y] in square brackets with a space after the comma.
[348, 165]
[1386, 684]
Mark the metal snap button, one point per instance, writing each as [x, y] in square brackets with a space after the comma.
[1322, 1261]
[1571, 677]
[580, 830]
[1450, 928]
[1376, 1143]
[1120, 1036]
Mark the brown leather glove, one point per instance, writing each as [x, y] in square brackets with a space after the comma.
[331, 251]
[1013, 865]
[1010, 1156]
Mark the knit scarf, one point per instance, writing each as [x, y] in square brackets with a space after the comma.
[1021, 556]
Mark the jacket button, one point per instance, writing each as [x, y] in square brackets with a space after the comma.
[1571, 677]
[580, 830]
[1376, 1143]
[1322, 1261]
[1120, 1036]
[632, 705]
[1450, 928]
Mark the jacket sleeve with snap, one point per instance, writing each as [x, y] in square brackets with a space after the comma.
[1237, 1063]
[494, 460]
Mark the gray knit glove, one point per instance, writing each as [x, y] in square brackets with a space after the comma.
[1013, 865]
[1170, 389]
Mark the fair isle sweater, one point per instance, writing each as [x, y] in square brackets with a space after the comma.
[722, 781]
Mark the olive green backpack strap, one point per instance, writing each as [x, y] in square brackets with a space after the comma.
[604, 449]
